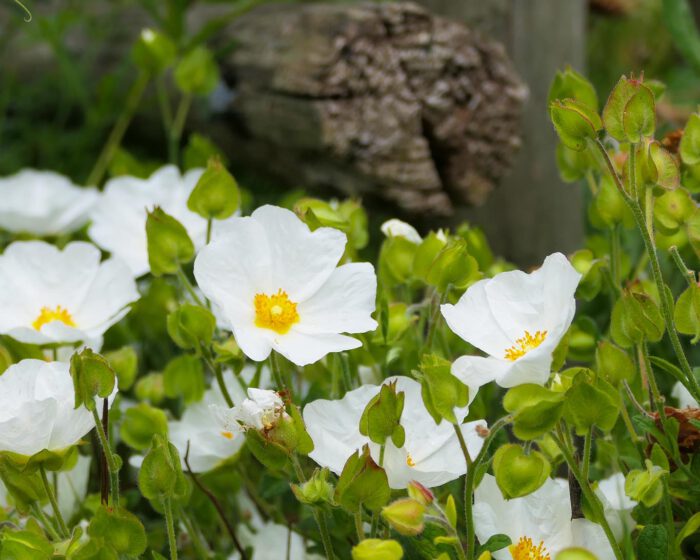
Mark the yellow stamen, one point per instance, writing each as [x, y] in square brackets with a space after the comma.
[409, 461]
[48, 315]
[523, 345]
[227, 435]
[276, 312]
[525, 549]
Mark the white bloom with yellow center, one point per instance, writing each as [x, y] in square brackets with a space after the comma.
[43, 203]
[37, 408]
[119, 219]
[278, 286]
[398, 228]
[517, 319]
[431, 453]
[53, 296]
[539, 525]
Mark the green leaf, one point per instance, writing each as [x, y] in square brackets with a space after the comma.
[120, 530]
[680, 20]
[613, 363]
[494, 543]
[686, 314]
[197, 72]
[569, 84]
[124, 362]
[575, 123]
[652, 543]
[691, 526]
[362, 483]
[629, 111]
[591, 403]
[639, 115]
[24, 545]
[667, 172]
[382, 414]
[92, 377]
[535, 409]
[140, 423]
[690, 142]
[442, 392]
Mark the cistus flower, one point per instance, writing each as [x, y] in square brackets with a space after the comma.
[431, 454]
[279, 288]
[617, 505]
[119, 218]
[37, 409]
[539, 525]
[53, 296]
[517, 319]
[683, 396]
[260, 411]
[43, 203]
[398, 228]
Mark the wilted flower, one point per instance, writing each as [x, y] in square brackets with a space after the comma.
[517, 319]
[539, 524]
[37, 409]
[43, 203]
[260, 411]
[119, 219]
[398, 228]
[430, 455]
[53, 296]
[278, 287]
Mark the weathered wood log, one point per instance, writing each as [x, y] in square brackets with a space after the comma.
[373, 99]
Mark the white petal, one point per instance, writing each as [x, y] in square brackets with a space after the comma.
[303, 260]
[398, 228]
[475, 371]
[343, 304]
[685, 399]
[589, 535]
[533, 367]
[304, 349]
[254, 342]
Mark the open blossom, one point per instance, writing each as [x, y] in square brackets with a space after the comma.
[278, 286]
[517, 319]
[539, 525]
[37, 409]
[260, 411]
[119, 219]
[53, 296]
[431, 453]
[43, 203]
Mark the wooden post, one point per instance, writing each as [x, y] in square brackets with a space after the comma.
[532, 213]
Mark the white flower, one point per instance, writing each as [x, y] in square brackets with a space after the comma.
[51, 296]
[617, 505]
[72, 487]
[539, 524]
[685, 399]
[260, 411]
[119, 219]
[278, 287]
[37, 408]
[274, 542]
[397, 228]
[517, 319]
[431, 453]
[43, 203]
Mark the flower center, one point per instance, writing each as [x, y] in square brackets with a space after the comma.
[409, 461]
[48, 315]
[276, 312]
[526, 550]
[523, 345]
[227, 434]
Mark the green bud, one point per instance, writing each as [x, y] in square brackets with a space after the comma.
[613, 363]
[316, 490]
[124, 362]
[591, 402]
[160, 476]
[690, 142]
[377, 549]
[662, 167]
[169, 244]
[569, 84]
[270, 453]
[610, 206]
[420, 493]
[5, 359]
[197, 72]
[394, 322]
[25, 545]
[119, 530]
[575, 123]
[228, 351]
[382, 416]
[477, 244]
[572, 164]
[140, 424]
[358, 223]
[451, 511]
[672, 209]
[635, 318]
[426, 254]
[396, 259]
[453, 266]
[535, 409]
[442, 392]
[693, 230]
[590, 267]
[630, 115]
[92, 377]
[318, 213]
[191, 326]
[216, 195]
[518, 474]
[150, 388]
[153, 52]
[646, 485]
[405, 516]
[362, 482]
[575, 553]
[183, 376]
[686, 315]
[199, 150]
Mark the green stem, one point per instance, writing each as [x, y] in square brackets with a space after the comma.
[170, 526]
[178, 126]
[217, 370]
[54, 503]
[115, 137]
[46, 522]
[109, 457]
[615, 267]
[188, 286]
[688, 274]
[210, 222]
[587, 444]
[647, 237]
[592, 499]
[359, 529]
[197, 543]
